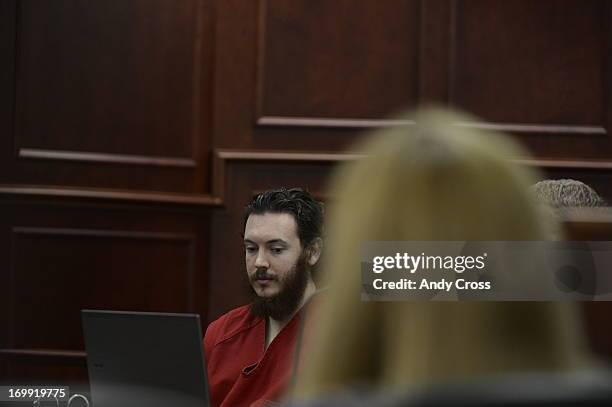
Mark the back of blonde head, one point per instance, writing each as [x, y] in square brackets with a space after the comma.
[431, 181]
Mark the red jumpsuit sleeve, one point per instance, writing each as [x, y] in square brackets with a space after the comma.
[210, 338]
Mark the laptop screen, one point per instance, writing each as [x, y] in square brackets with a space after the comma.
[144, 359]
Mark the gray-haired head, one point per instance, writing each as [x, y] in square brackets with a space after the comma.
[566, 193]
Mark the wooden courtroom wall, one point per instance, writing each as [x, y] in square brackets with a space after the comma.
[132, 133]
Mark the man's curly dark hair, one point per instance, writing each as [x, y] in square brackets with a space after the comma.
[307, 212]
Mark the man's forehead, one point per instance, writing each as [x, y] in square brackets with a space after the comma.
[270, 226]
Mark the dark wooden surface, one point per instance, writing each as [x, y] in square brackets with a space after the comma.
[132, 132]
[312, 67]
[112, 94]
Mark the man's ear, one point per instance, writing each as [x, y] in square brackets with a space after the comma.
[314, 251]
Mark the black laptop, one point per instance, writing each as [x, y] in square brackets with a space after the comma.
[144, 359]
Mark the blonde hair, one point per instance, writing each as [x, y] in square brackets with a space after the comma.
[434, 180]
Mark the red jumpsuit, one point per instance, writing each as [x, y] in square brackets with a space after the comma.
[241, 372]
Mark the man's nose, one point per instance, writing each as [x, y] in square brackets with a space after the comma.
[261, 261]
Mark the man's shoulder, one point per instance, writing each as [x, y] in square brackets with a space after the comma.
[232, 323]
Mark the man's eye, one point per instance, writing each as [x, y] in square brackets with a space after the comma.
[277, 250]
[250, 249]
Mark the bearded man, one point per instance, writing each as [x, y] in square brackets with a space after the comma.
[250, 350]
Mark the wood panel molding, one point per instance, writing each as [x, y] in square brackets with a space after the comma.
[223, 158]
[535, 128]
[123, 234]
[587, 215]
[43, 353]
[604, 165]
[109, 195]
[104, 158]
[329, 122]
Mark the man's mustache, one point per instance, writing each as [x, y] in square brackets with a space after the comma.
[262, 274]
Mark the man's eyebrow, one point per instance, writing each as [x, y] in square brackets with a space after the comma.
[275, 241]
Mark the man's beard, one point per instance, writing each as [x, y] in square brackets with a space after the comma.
[281, 306]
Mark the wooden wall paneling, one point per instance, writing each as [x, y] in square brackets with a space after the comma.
[538, 70]
[111, 94]
[316, 70]
[594, 225]
[204, 49]
[7, 91]
[224, 158]
[536, 64]
[61, 259]
[589, 224]
[607, 21]
[102, 74]
[56, 271]
[264, 71]
[596, 317]
[434, 57]
[8, 19]
[234, 88]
